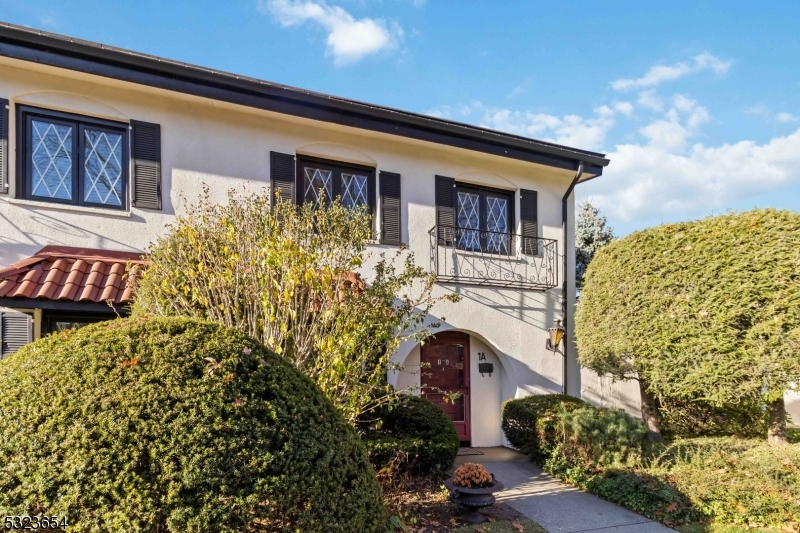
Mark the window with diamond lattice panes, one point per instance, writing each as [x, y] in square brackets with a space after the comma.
[317, 184]
[71, 159]
[354, 190]
[497, 224]
[484, 217]
[469, 213]
[103, 167]
[51, 151]
[355, 186]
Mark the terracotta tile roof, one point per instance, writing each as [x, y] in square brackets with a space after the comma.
[72, 274]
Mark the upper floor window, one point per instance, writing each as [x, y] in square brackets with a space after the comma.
[318, 178]
[72, 159]
[485, 217]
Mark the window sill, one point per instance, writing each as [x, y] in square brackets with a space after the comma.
[72, 208]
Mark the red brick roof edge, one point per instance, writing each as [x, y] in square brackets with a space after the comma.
[67, 273]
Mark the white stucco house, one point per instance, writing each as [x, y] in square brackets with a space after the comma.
[100, 148]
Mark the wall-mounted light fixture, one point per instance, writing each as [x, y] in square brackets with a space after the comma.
[556, 334]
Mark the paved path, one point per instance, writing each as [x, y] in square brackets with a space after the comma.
[557, 507]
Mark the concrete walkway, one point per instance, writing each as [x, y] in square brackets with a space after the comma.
[557, 507]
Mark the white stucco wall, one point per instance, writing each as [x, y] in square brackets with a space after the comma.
[793, 408]
[205, 142]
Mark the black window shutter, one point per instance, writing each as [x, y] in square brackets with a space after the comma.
[146, 141]
[15, 332]
[282, 170]
[390, 208]
[3, 146]
[445, 208]
[529, 215]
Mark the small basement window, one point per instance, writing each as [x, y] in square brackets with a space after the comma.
[55, 322]
[72, 159]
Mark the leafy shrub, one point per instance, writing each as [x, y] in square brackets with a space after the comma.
[416, 432]
[544, 425]
[735, 481]
[530, 423]
[174, 424]
[602, 436]
[285, 276]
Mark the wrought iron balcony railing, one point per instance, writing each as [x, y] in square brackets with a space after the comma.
[479, 257]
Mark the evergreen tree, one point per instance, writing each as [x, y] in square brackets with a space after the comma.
[591, 234]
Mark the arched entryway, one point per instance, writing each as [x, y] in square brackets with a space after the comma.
[488, 380]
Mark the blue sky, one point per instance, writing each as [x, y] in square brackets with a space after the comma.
[696, 103]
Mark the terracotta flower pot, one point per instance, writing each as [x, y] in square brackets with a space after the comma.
[473, 499]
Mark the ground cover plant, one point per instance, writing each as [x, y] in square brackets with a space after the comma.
[705, 311]
[412, 435]
[174, 424]
[701, 484]
[288, 277]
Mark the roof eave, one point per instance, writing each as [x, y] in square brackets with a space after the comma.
[92, 58]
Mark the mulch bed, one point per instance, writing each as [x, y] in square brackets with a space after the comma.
[424, 506]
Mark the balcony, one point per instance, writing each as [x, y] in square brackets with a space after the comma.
[488, 258]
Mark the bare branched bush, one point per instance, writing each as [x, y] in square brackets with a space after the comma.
[288, 276]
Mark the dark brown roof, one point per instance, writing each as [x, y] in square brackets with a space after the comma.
[72, 274]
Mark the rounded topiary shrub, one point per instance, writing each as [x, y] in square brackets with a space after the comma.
[176, 425]
[416, 435]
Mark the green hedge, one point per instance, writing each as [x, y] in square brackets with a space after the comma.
[419, 431]
[143, 425]
[530, 423]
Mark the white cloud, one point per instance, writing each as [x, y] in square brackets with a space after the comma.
[626, 108]
[648, 180]
[569, 130]
[651, 100]
[459, 112]
[349, 39]
[660, 73]
[678, 125]
[760, 111]
[786, 117]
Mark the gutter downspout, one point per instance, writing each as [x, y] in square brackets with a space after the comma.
[564, 225]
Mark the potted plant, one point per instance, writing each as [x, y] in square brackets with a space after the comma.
[472, 487]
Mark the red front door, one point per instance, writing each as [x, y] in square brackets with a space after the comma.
[445, 370]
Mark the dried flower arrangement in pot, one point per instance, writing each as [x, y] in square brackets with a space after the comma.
[472, 476]
[472, 487]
